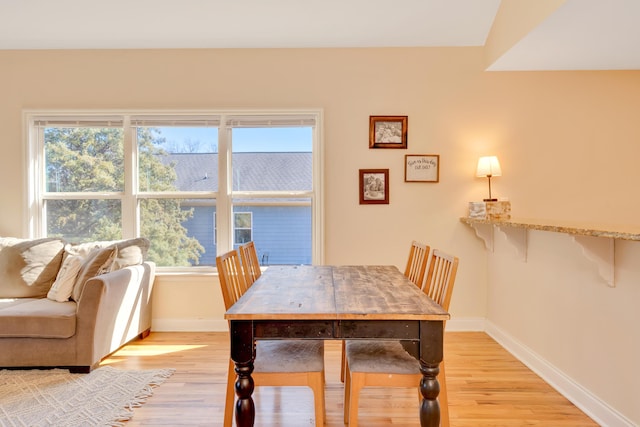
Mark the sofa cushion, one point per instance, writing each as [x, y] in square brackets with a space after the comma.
[62, 288]
[37, 318]
[381, 356]
[28, 267]
[97, 262]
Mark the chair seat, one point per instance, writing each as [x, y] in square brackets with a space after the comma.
[380, 357]
[289, 356]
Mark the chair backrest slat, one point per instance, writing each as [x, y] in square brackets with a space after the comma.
[231, 277]
[250, 263]
[417, 263]
[441, 277]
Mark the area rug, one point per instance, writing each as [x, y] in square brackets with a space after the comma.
[105, 397]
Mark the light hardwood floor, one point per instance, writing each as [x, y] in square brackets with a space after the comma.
[487, 387]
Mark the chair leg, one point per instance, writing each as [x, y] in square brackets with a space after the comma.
[230, 395]
[347, 393]
[444, 401]
[316, 382]
[344, 361]
[356, 383]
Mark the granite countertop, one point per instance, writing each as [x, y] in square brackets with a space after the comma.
[597, 230]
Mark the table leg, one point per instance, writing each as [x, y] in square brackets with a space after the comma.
[431, 351]
[243, 354]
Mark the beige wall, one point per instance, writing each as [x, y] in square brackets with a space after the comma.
[568, 143]
[556, 307]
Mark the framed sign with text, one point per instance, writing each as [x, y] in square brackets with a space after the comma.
[422, 168]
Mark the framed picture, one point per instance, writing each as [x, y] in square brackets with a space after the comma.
[388, 131]
[421, 168]
[374, 186]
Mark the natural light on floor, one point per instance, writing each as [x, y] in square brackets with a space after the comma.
[153, 350]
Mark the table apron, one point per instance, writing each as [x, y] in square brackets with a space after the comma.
[294, 329]
[337, 329]
[410, 332]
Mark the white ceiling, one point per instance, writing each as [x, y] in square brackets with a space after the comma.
[581, 34]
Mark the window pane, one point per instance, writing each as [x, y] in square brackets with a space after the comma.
[178, 158]
[242, 220]
[275, 159]
[84, 220]
[272, 159]
[281, 230]
[242, 236]
[180, 231]
[84, 159]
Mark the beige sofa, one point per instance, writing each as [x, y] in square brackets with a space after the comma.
[105, 303]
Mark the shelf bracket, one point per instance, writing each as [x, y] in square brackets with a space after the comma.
[485, 232]
[600, 251]
[518, 239]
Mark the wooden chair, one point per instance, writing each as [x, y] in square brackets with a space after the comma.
[416, 267]
[417, 263]
[232, 279]
[386, 363]
[278, 362]
[250, 263]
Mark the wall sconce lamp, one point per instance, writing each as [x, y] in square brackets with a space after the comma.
[489, 166]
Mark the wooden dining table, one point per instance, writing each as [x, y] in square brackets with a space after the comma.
[337, 302]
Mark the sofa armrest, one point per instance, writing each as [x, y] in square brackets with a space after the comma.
[114, 308]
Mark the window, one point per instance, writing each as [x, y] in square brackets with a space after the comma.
[242, 228]
[195, 184]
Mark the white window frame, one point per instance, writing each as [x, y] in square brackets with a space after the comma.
[227, 119]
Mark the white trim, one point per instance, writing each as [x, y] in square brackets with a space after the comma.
[317, 216]
[129, 201]
[30, 151]
[582, 398]
[189, 325]
[469, 324]
[224, 208]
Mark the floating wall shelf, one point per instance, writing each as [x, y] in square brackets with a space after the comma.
[597, 242]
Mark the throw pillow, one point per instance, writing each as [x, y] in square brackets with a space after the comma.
[97, 262]
[63, 286]
[83, 249]
[130, 252]
[28, 267]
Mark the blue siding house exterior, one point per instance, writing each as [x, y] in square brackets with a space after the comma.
[280, 228]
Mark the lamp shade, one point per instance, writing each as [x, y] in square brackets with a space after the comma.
[488, 166]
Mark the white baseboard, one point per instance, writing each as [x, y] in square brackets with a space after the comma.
[590, 404]
[469, 324]
[189, 325]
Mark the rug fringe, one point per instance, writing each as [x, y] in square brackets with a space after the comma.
[141, 397]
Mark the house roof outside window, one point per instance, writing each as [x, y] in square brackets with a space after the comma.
[276, 171]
